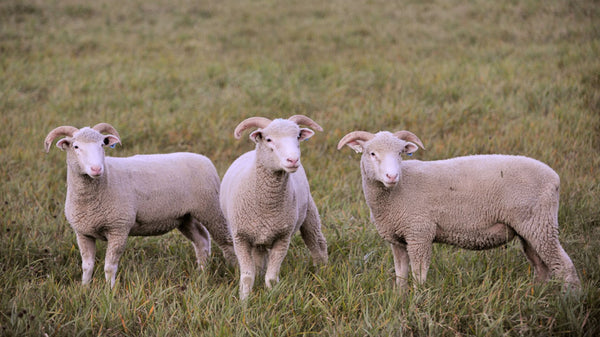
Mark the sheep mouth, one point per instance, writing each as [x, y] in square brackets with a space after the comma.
[291, 168]
[390, 183]
[95, 175]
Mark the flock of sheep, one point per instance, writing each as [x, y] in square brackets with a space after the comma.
[473, 202]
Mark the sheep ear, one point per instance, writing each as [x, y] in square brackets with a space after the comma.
[305, 134]
[356, 145]
[410, 148]
[256, 135]
[111, 140]
[63, 144]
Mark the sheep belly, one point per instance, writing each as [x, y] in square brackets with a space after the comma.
[492, 236]
[155, 228]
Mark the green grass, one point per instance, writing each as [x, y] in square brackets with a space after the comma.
[515, 77]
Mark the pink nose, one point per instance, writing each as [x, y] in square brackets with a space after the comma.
[292, 161]
[96, 170]
[392, 177]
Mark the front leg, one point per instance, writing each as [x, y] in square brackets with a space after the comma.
[87, 249]
[401, 264]
[243, 251]
[276, 256]
[114, 250]
[419, 254]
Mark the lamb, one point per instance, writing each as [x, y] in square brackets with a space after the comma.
[474, 202]
[112, 198]
[266, 198]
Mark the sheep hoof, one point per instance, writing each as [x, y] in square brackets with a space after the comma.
[271, 282]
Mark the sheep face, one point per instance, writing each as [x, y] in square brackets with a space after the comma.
[85, 151]
[279, 144]
[382, 157]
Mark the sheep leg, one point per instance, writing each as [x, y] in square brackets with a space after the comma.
[276, 256]
[216, 224]
[419, 254]
[243, 250]
[312, 235]
[541, 271]
[114, 250]
[259, 254]
[87, 249]
[544, 242]
[401, 264]
[556, 259]
[195, 232]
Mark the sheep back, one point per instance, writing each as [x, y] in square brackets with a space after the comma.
[151, 193]
[469, 192]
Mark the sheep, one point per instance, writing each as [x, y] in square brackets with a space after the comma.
[112, 198]
[266, 198]
[474, 202]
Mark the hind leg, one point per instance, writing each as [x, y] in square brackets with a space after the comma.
[544, 242]
[195, 232]
[213, 220]
[541, 272]
[312, 235]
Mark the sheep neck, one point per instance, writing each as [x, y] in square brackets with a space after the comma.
[84, 188]
[378, 197]
[271, 187]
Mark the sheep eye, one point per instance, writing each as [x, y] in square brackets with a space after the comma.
[373, 154]
[268, 140]
[75, 146]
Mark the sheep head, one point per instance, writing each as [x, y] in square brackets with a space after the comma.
[382, 153]
[85, 146]
[278, 141]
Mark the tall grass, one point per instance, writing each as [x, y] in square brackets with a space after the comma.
[516, 77]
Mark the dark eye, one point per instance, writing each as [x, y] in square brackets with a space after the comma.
[268, 140]
[75, 146]
[373, 154]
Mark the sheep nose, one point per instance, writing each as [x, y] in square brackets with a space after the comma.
[293, 161]
[392, 177]
[96, 170]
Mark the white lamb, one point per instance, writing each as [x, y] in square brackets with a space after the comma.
[266, 198]
[112, 198]
[473, 202]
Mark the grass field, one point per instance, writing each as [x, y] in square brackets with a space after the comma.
[515, 77]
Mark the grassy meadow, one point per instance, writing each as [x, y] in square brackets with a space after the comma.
[514, 77]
